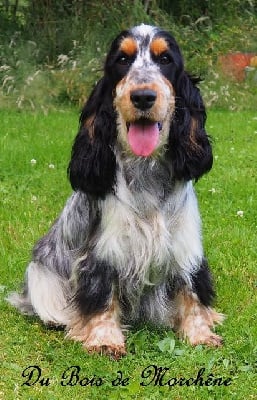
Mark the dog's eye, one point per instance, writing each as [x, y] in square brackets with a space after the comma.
[124, 59]
[164, 59]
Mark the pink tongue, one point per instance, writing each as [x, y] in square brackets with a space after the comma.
[143, 139]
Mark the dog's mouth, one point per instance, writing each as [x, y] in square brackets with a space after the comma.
[143, 136]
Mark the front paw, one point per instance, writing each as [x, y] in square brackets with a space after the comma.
[207, 338]
[98, 335]
[114, 351]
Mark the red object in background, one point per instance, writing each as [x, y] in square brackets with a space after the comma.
[234, 64]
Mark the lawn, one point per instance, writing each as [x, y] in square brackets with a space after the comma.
[34, 155]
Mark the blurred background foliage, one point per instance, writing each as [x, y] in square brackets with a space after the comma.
[52, 51]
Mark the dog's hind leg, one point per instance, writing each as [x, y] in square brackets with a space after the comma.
[45, 294]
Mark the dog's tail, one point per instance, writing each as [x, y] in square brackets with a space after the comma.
[21, 301]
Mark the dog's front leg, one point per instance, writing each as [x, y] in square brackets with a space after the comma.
[194, 321]
[96, 321]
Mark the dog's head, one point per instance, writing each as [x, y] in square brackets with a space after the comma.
[146, 105]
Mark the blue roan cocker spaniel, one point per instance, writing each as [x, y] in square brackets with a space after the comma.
[127, 245]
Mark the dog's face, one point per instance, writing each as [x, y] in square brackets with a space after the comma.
[144, 97]
[145, 106]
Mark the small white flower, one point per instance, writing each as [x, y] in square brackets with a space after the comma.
[33, 199]
[62, 59]
[33, 161]
[240, 213]
[51, 166]
[212, 190]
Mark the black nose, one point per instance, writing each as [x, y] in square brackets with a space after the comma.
[143, 99]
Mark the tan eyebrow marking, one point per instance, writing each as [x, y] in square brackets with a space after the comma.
[158, 46]
[128, 46]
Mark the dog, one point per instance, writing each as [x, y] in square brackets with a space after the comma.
[127, 246]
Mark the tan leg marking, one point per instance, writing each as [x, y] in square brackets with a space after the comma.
[194, 321]
[100, 333]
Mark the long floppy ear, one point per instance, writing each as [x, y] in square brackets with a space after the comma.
[189, 145]
[93, 163]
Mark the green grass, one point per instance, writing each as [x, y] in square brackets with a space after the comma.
[32, 195]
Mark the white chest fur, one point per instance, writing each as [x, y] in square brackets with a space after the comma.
[144, 240]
